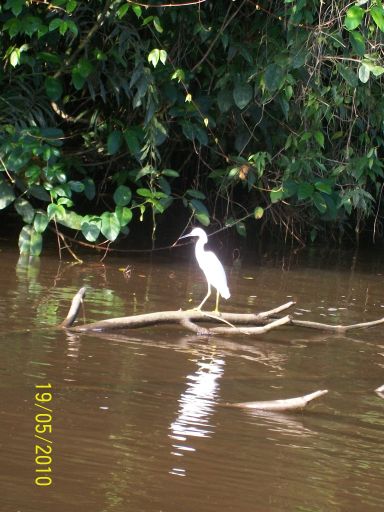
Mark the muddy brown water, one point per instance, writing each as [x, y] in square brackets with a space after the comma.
[136, 418]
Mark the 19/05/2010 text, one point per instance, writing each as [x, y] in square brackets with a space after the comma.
[43, 430]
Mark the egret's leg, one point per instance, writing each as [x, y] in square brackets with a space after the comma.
[205, 298]
[216, 310]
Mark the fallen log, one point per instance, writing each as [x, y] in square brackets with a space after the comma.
[288, 404]
[256, 323]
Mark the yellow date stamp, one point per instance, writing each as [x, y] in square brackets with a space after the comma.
[43, 431]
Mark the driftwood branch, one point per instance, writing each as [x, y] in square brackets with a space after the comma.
[187, 319]
[235, 323]
[289, 404]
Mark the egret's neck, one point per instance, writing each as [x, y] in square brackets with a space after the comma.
[199, 248]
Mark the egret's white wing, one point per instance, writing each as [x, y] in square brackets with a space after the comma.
[214, 272]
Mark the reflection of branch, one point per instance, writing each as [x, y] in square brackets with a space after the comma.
[289, 404]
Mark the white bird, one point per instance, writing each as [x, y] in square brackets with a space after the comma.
[211, 266]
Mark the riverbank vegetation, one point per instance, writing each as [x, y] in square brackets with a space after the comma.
[256, 116]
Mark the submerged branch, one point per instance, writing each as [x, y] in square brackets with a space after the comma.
[335, 328]
[74, 309]
[289, 404]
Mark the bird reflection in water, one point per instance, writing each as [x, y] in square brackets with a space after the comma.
[196, 406]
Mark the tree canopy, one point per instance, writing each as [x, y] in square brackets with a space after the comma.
[248, 114]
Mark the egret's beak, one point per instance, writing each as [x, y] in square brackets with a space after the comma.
[185, 236]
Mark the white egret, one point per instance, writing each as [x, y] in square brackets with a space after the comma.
[211, 266]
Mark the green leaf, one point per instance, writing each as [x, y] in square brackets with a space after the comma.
[163, 56]
[132, 142]
[110, 226]
[122, 195]
[40, 222]
[364, 73]
[170, 173]
[55, 211]
[114, 142]
[72, 220]
[77, 79]
[348, 74]
[7, 195]
[137, 10]
[276, 194]
[16, 6]
[199, 207]
[357, 42]
[377, 13]
[324, 186]
[25, 209]
[89, 188]
[242, 94]
[305, 190]
[123, 215]
[53, 88]
[241, 229]
[319, 137]
[203, 218]
[178, 75]
[144, 192]
[274, 77]
[319, 202]
[91, 230]
[354, 17]
[224, 100]
[76, 186]
[195, 193]
[30, 242]
[84, 67]
[258, 212]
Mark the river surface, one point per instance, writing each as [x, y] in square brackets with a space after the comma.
[135, 421]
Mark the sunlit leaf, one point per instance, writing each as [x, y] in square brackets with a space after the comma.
[25, 209]
[364, 73]
[354, 17]
[7, 195]
[110, 226]
[258, 212]
[377, 13]
[40, 221]
[91, 230]
[123, 215]
[276, 194]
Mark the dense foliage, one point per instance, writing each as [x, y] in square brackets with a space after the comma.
[248, 114]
